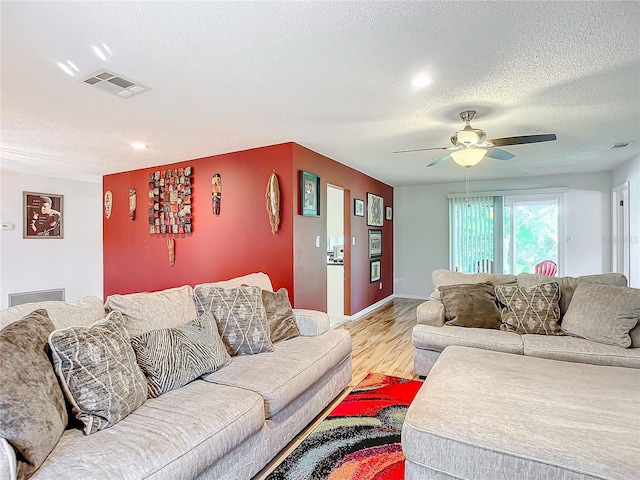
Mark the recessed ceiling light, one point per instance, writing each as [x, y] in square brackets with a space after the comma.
[139, 146]
[99, 53]
[421, 81]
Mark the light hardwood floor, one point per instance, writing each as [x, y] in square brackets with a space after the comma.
[381, 344]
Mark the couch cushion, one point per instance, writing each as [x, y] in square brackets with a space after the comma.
[282, 322]
[572, 349]
[569, 284]
[530, 309]
[33, 413]
[603, 313]
[148, 311]
[471, 305]
[258, 279]
[177, 435]
[239, 312]
[63, 314]
[173, 357]
[443, 277]
[429, 337]
[294, 366]
[483, 415]
[97, 369]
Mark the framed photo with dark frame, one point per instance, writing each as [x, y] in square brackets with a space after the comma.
[388, 213]
[375, 209]
[375, 243]
[309, 194]
[42, 215]
[374, 271]
[358, 207]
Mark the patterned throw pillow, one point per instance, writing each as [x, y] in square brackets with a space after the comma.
[242, 321]
[173, 357]
[282, 322]
[34, 414]
[97, 368]
[471, 305]
[530, 309]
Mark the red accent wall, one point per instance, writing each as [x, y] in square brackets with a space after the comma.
[310, 272]
[237, 242]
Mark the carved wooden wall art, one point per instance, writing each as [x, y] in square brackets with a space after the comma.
[108, 203]
[216, 193]
[273, 202]
[170, 201]
[171, 248]
[132, 203]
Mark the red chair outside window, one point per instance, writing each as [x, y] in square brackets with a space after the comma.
[546, 267]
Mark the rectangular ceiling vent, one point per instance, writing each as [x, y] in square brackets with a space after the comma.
[619, 145]
[115, 84]
[40, 296]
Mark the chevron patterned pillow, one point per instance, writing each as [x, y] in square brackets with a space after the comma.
[241, 317]
[173, 357]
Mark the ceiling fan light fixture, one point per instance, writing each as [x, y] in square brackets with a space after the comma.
[468, 157]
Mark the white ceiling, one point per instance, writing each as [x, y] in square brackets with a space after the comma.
[332, 76]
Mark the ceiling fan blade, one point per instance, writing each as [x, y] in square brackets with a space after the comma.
[501, 142]
[439, 160]
[425, 149]
[499, 154]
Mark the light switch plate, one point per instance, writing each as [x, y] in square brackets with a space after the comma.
[354, 241]
[317, 241]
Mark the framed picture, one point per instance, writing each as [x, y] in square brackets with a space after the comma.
[358, 207]
[388, 213]
[374, 271]
[374, 210]
[309, 194]
[375, 243]
[42, 215]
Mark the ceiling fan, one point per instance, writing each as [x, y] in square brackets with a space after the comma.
[470, 146]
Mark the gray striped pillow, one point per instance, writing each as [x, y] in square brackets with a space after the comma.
[173, 357]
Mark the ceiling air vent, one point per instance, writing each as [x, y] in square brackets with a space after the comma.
[115, 84]
[619, 145]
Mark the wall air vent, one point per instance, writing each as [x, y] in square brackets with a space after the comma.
[115, 84]
[40, 296]
[619, 145]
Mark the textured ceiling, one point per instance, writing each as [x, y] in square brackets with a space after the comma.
[332, 76]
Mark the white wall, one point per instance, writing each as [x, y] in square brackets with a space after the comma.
[421, 226]
[74, 262]
[630, 171]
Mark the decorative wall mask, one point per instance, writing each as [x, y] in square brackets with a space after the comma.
[170, 201]
[171, 248]
[216, 193]
[273, 202]
[108, 201]
[132, 203]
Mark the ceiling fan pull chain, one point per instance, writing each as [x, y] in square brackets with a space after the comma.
[466, 199]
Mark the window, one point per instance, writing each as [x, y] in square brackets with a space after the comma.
[509, 233]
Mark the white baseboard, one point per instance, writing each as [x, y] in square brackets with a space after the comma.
[409, 295]
[370, 308]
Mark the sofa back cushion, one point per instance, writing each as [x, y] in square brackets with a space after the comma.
[444, 277]
[569, 284]
[63, 314]
[603, 313]
[148, 311]
[259, 279]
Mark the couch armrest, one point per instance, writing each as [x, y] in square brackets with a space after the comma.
[311, 323]
[431, 312]
[8, 464]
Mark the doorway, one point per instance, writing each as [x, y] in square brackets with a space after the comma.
[620, 230]
[335, 254]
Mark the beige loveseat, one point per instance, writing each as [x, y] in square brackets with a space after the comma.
[432, 335]
[226, 425]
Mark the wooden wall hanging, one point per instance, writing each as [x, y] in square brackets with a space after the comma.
[216, 193]
[273, 202]
[108, 202]
[132, 203]
[170, 201]
[171, 248]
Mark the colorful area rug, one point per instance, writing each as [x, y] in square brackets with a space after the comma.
[359, 439]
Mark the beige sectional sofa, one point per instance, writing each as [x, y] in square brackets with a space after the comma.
[226, 425]
[432, 335]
